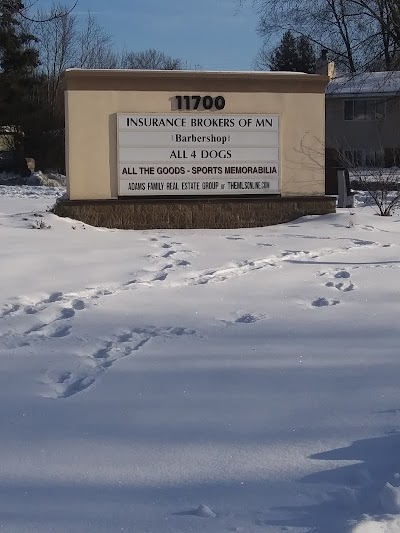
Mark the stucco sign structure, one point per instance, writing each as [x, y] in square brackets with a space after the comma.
[147, 136]
[152, 149]
[196, 154]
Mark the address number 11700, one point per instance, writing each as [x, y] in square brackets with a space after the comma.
[190, 103]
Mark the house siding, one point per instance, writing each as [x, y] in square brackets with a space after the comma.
[365, 135]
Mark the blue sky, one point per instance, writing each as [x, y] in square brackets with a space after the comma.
[214, 34]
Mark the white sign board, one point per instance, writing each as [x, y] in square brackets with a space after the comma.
[195, 154]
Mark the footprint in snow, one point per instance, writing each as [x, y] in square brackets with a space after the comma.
[77, 385]
[54, 297]
[342, 274]
[10, 309]
[78, 305]
[183, 262]
[58, 332]
[123, 344]
[340, 286]
[336, 273]
[324, 302]
[169, 253]
[203, 511]
[367, 227]
[297, 255]
[247, 318]
[30, 310]
[66, 312]
[362, 242]
[63, 377]
[161, 276]
[168, 250]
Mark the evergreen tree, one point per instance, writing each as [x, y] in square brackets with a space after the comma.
[306, 55]
[284, 56]
[18, 61]
[293, 54]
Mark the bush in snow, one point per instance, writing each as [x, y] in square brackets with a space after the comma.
[35, 179]
[382, 186]
[47, 180]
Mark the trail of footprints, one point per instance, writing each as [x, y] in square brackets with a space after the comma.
[77, 301]
[51, 312]
[169, 252]
[172, 252]
[54, 312]
[340, 282]
[52, 323]
[73, 302]
[123, 344]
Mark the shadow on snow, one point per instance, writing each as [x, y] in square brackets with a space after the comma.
[352, 490]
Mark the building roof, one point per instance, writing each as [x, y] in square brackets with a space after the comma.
[365, 84]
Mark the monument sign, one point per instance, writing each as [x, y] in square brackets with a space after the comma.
[152, 149]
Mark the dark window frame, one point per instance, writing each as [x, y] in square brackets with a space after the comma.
[376, 103]
[360, 157]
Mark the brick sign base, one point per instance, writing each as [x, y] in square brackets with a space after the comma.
[213, 213]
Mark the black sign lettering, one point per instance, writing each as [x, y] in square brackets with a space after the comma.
[190, 103]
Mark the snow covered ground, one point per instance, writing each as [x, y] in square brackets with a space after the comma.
[198, 381]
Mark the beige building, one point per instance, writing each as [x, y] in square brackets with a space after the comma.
[194, 134]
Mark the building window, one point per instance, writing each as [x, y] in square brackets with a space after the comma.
[353, 158]
[364, 158]
[392, 157]
[375, 158]
[363, 109]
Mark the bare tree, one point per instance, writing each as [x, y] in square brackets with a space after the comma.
[63, 42]
[67, 42]
[262, 59]
[57, 39]
[24, 10]
[357, 33]
[150, 60]
[94, 46]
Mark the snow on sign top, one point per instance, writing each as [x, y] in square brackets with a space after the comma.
[367, 83]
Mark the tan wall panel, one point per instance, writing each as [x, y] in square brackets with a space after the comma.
[91, 135]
